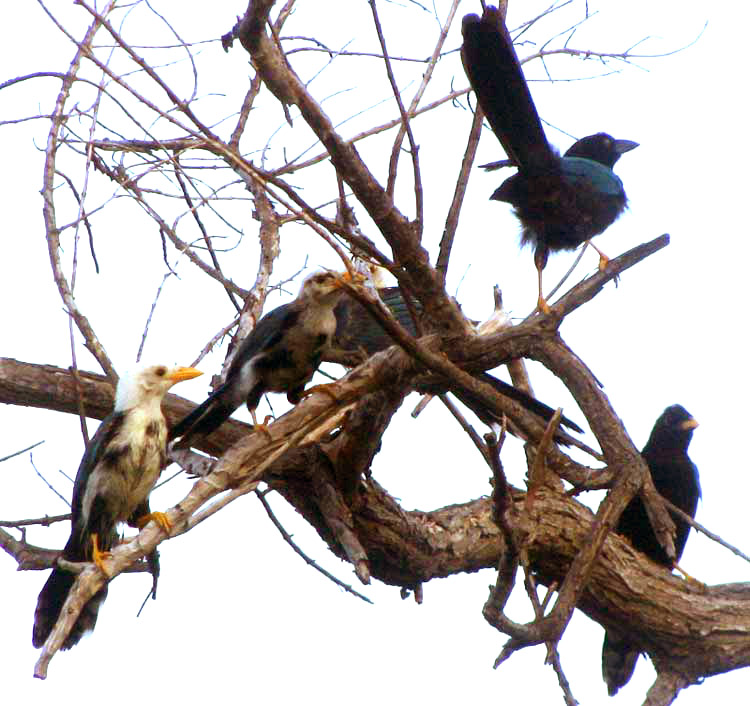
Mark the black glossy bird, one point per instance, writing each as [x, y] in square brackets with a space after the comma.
[357, 330]
[676, 478]
[560, 201]
[117, 472]
[280, 354]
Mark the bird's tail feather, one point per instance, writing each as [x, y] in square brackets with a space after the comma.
[204, 419]
[526, 401]
[495, 74]
[52, 598]
[618, 661]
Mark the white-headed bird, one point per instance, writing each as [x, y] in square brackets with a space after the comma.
[118, 471]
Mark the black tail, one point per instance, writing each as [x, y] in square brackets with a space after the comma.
[356, 330]
[495, 74]
[526, 401]
[205, 418]
[618, 661]
[52, 598]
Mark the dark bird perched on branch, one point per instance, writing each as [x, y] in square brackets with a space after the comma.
[676, 479]
[560, 201]
[280, 354]
[357, 330]
[118, 470]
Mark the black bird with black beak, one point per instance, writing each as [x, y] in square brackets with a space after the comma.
[560, 201]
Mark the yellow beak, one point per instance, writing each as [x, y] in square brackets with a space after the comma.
[351, 277]
[689, 424]
[179, 374]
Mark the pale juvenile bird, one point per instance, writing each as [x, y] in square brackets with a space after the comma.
[117, 472]
[281, 354]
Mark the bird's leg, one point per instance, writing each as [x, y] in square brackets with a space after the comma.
[261, 427]
[160, 518]
[540, 260]
[603, 259]
[325, 388]
[688, 577]
[97, 556]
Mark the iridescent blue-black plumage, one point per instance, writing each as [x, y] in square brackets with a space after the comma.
[561, 202]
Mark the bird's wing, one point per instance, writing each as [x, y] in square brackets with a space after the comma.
[268, 333]
[601, 177]
[94, 453]
[357, 329]
[242, 383]
[495, 74]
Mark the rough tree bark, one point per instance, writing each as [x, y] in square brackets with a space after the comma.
[318, 455]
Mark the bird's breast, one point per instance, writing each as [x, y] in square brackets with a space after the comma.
[128, 468]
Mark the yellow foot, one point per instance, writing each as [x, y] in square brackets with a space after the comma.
[99, 557]
[694, 582]
[261, 427]
[603, 259]
[159, 517]
[542, 306]
[326, 389]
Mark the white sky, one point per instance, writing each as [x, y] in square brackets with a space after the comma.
[239, 616]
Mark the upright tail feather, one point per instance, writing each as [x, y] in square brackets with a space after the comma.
[495, 75]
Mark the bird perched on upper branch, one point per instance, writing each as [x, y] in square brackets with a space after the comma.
[117, 472]
[280, 354]
[560, 201]
[676, 479]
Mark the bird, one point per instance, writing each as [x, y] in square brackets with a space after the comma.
[561, 202]
[117, 472]
[280, 354]
[676, 478]
[358, 331]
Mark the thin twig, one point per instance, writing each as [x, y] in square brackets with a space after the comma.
[18, 453]
[311, 562]
[46, 482]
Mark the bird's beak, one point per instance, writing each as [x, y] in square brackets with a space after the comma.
[689, 424]
[622, 146]
[180, 374]
[350, 278]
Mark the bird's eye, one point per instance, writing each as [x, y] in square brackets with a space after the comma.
[161, 371]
